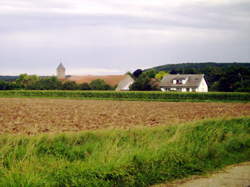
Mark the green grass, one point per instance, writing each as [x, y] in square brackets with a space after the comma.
[135, 157]
[132, 95]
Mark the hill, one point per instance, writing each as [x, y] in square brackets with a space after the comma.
[8, 78]
[199, 66]
[219, 76]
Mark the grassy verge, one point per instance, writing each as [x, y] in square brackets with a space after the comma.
[132, 95]
[135, 157]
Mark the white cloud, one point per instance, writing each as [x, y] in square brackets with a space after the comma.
[120, 34]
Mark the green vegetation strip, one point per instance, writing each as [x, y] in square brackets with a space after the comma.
[132, 95]
[135, 157]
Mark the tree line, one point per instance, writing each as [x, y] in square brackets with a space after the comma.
[219, 77]
[34, 82]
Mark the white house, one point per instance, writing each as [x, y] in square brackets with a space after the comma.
[184, 83]
[125, 83]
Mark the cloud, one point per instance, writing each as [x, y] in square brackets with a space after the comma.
[121, 35]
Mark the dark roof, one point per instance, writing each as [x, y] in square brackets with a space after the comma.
[60, 66]
[193, 80]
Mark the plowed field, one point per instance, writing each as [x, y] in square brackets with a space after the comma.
[34, 116]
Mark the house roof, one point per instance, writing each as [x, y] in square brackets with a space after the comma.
[124, 82]
[109, 79]
[193, 80]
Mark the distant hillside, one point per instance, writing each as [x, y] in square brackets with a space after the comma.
[199, 66]
[219, 76]
[8, 78]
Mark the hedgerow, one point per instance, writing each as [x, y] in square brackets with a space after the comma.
[131, 95]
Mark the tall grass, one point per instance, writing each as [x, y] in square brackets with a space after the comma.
[135, 157]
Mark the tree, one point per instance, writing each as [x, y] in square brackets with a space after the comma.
[145, 81]
[70, 85]
[84, 86]
[160, 75]
[99, 84]
[4, 85]
[48, 83]
[137, 73]
[27, 81]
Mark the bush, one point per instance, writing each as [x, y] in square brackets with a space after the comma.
[132, 95]
[99, 84]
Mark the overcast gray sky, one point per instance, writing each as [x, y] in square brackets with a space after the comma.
[116, 36]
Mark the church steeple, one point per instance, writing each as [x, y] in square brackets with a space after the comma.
[60, 71]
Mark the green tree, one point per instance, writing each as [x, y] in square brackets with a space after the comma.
[145, 81]
[160, 75]
[99, 84]
[70, 85]
[27, 81]
[48, 83]
[84, 86]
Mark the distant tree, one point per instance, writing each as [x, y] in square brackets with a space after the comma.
[99, 84]
[5, 85]
[48, 83]
[145, 81]
[173, 71]
[150, 73]
[160, 75]
[84, 86]
[70, 85]
[27, 81]
[137, 73]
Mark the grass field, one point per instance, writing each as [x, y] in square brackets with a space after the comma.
[65, 142]
[134, 157]
[34, 116]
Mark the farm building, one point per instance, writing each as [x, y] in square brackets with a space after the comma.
[125, 83]
[184, 83]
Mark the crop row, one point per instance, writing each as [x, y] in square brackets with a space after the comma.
[135, 95]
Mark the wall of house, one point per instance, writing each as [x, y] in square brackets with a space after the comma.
[203, 86]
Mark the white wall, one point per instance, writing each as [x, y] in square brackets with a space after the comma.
[203, 86]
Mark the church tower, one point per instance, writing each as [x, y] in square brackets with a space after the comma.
[60, 71]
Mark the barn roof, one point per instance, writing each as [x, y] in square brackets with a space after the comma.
[124, 82]
[193, 80]
[112, 80]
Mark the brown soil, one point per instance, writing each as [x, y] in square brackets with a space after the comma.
[33, 116]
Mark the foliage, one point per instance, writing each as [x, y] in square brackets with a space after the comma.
[33, 82]
[134, 157]
[4, 85]
[227, 77]
[133, 95]
[160, 75]
[47, 83]
[144, 81]
[137, 73]
[27, 81]
[99, 84]
[84, 86]
[70, 85]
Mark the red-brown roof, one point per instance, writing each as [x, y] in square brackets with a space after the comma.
[109, 79]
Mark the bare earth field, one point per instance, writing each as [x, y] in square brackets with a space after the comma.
[34, 116]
